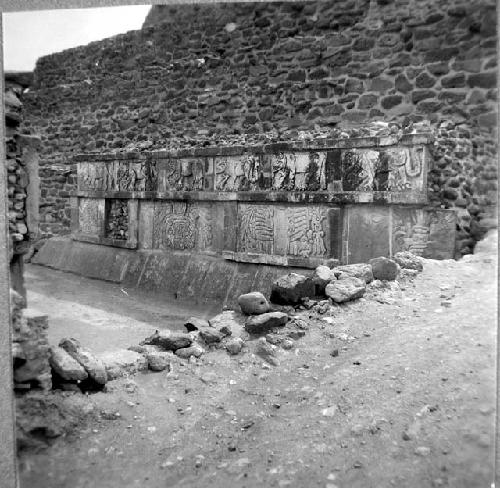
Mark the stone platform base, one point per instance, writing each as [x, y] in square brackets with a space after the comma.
[177, 275]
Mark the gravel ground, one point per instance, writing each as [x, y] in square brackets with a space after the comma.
[409, 401]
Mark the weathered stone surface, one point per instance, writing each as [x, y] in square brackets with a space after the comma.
[266, 351]
[259, 324]
[384, 268]
[346, 289]
[234, 346]
[321, 277]
[122, 362]
[290, 288]
[65, 366]
[229, 320]
[158, 360]
[253, 303]
[195, 323]
[362, 271]
[408, 260]
[94, 366]
[168, 341]
[211, 335]
[186, 352]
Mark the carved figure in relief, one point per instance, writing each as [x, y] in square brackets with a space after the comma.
[403, 167]
[316, 176]
[203, 226]
[281, 173]
[305, 233]
[299, 165]
[252, 170]
[369, 161]
[174, 226]
[413, 237]
[256, 229]
[171, 174]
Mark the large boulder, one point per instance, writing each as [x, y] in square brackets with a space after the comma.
[94, 366]
[322, 276]
[168, 341]
[291, 288]
[157, 359]
[362, 271]
[408, 260]
[66, 366]
[384, 268]
[123, 362]
[253, 303]
[259, 324]
[346, 289]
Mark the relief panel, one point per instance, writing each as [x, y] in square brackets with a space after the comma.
[307, 232]
[239, 173]
[255, 228]
[299, 171]
[182, 226]
[427, 233]
[91, 216]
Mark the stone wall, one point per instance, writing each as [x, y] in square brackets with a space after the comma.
[22, 178]
[203, 75]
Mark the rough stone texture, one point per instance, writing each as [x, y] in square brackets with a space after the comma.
[195, 323]
[362, 271]
[211, 335]
[253, 303]
[30, 346]
[229, 320]
[346, 289]
[408, 260]
[283, 72]
[94, 366]
[65, 366]
[234, 346]
[263, 323]
[168, 341]
[322, 276]
[158, 360]
[123, 362]
[186, 352]
[291, 288]
[384, 268]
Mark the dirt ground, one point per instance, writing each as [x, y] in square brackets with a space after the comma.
[408, 402]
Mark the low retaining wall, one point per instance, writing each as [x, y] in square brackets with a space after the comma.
[176, 275]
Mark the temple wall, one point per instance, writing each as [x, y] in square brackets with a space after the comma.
[246, 74]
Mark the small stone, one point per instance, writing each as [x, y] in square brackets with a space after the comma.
[195, 323]
[259, 324]
[158, 360]
[408, 260]
[234, 346]
[422, 451]
[94, 366]
[384, 268]
[323, 275]
[168, 341]
[334, 353]
[65, 366]
[211, 335]
[266, 351]
[346, 289]
[123, 362]
[288, 344]
[296, 334]
[291, 288]
[253, 303]
[362, 271]
[194, 350]
[329, 412]
[274, 339]
[229, 321]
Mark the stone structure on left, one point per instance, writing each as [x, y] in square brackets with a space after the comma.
[23, 180]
